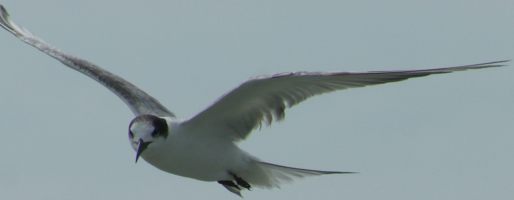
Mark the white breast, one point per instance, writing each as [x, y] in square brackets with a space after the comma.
[185, 153]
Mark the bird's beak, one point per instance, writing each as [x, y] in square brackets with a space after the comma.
[142, 146]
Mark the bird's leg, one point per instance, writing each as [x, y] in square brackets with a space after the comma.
[231, 186]
[241, 182]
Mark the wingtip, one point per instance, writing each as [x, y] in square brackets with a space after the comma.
[492, 64]
[5, 22]
[336, 172]
[4, 15]
[498, 63]
[346, 172]
[2, 9]
[504, 62]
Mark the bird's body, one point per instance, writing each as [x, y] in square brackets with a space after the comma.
[184, 153]
[204, 147]
[201, 154]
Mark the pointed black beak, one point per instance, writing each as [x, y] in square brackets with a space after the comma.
[142, 146]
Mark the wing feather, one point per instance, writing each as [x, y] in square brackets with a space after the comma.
[264, 100]
[137, 100]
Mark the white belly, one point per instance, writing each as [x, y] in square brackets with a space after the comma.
[204, 158]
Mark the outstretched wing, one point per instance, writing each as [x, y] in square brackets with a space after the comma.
[137, 100]
[264, 100]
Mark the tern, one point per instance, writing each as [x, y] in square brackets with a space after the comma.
[204, 147]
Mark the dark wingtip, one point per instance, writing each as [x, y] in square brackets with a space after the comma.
[6, 23]
[344, 173]
[335, 172]
[4, 15]
[499, 63]
[3, 10]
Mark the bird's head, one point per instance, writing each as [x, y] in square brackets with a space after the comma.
[145, 130]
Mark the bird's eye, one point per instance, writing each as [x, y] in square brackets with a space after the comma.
[155, 133]
[160, 127]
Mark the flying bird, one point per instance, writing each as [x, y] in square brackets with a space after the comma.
[204, 147]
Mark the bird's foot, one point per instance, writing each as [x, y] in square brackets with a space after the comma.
[236, 184]
[241, 182]
[232, 187]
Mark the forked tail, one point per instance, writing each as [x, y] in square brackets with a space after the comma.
[270, 175]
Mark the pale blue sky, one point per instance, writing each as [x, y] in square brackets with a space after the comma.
[441, 137]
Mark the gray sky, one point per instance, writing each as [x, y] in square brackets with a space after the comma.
[441, 137]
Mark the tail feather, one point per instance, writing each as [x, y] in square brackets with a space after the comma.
[269, 175]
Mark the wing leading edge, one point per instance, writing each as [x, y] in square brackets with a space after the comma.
[265, 100]
[137, 100]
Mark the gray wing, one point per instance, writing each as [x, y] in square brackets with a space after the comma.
[137, 100]
[264, 100]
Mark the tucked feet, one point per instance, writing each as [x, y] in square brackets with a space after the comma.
[235, 185]
[241, 182]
